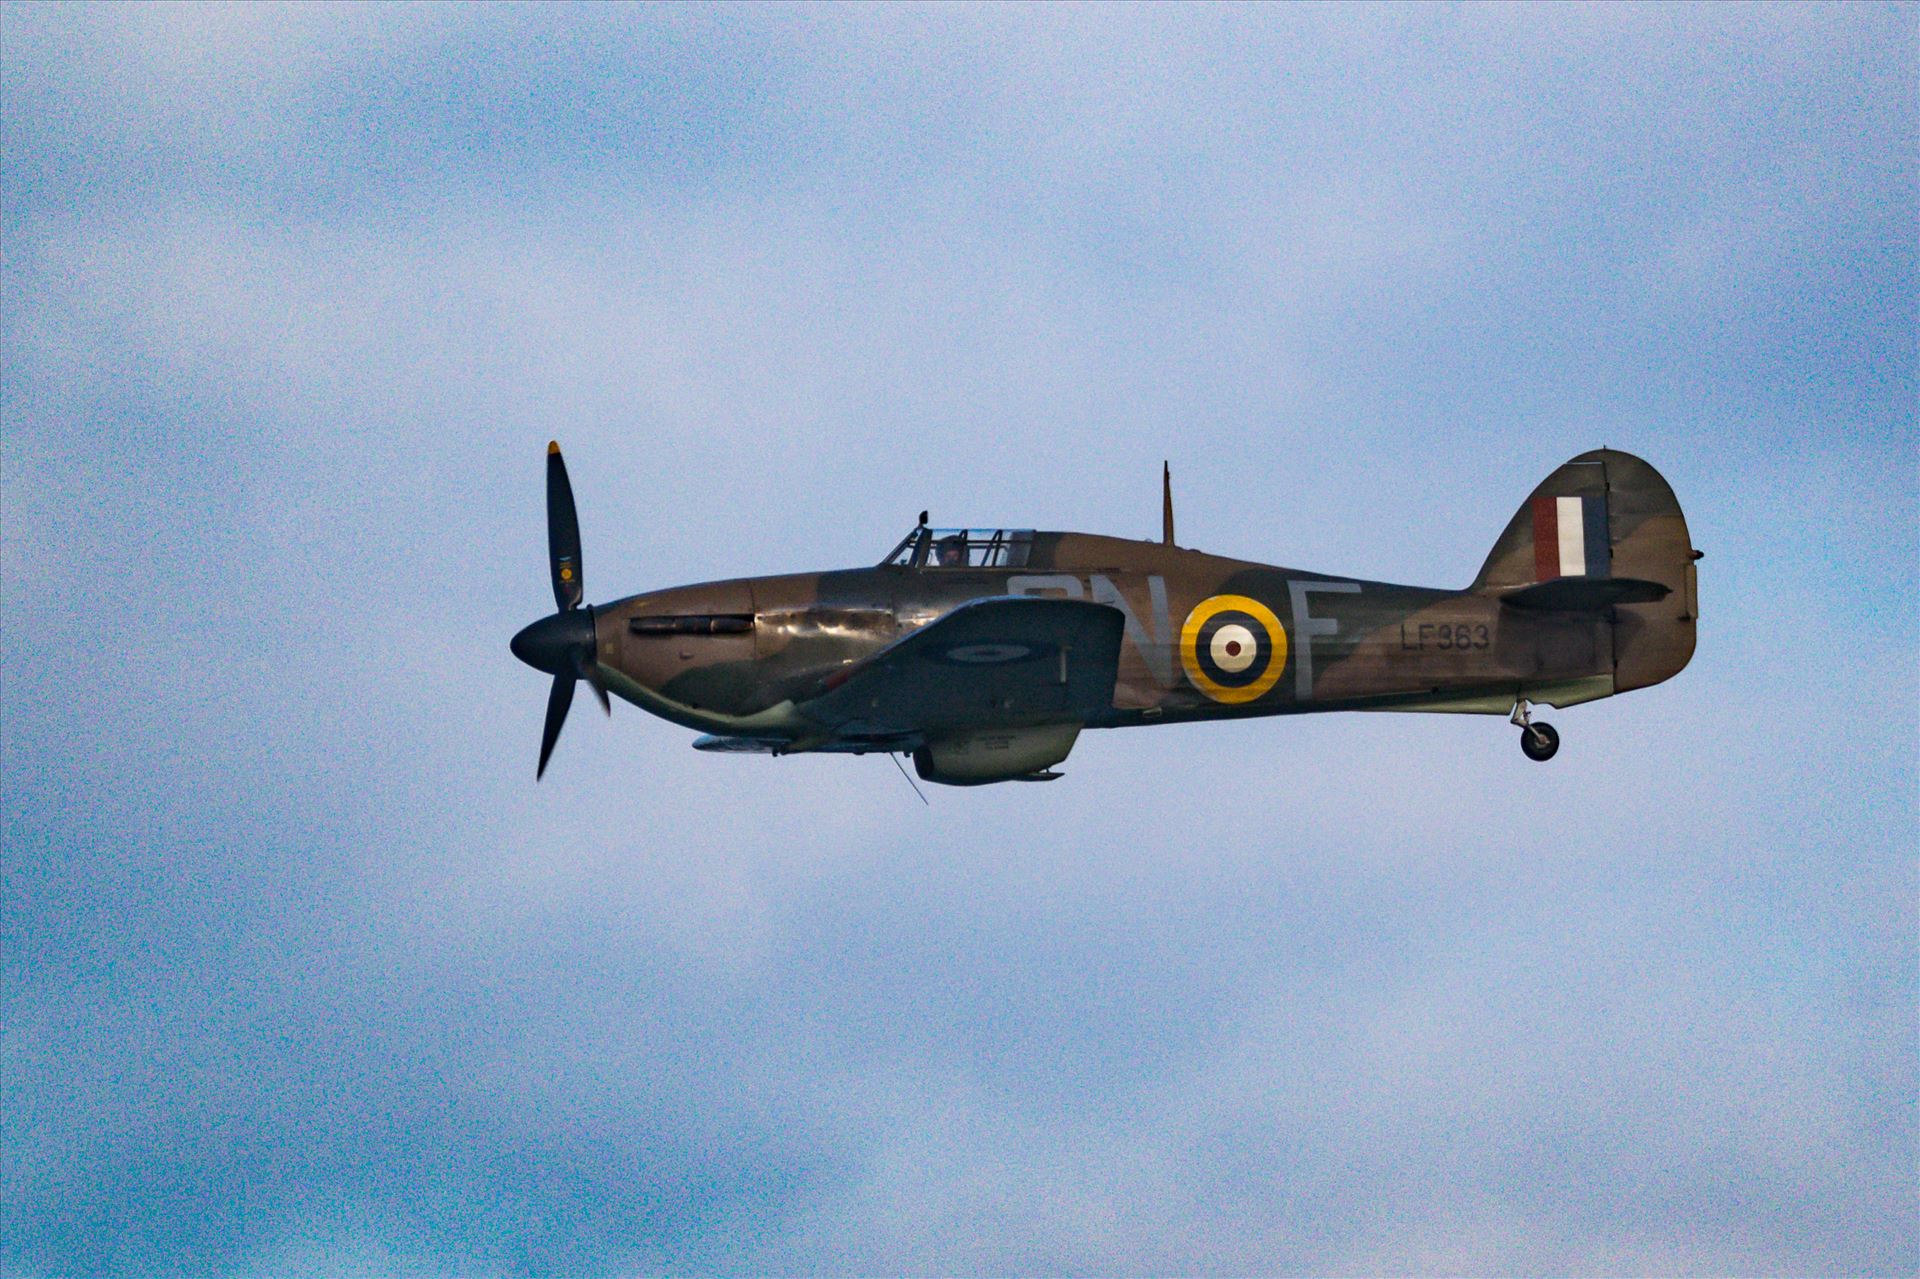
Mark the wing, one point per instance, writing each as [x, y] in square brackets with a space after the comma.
[1001, 661]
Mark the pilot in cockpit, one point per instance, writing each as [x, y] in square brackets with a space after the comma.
[951, 551]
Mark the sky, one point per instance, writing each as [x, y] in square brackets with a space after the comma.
[303, 973]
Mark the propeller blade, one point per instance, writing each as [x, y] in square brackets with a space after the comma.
[583, 662]
[557, 703]
[563, 532]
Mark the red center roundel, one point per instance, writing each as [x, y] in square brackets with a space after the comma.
[1233, 647]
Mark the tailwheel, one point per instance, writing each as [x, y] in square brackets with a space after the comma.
[1539, 741]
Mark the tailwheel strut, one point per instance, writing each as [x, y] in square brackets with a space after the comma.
[1538, 741]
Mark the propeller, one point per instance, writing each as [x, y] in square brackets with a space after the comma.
[561, 645]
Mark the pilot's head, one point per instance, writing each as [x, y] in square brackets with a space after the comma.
[952, 551]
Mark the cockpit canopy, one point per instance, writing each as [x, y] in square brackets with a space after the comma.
[937, 548]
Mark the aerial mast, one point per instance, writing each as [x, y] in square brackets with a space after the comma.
[1166, 503]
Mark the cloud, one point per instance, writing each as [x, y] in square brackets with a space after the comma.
[301, 972]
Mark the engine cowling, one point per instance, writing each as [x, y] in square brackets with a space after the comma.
[994, 755]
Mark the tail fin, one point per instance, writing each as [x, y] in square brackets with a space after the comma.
[1604, 533]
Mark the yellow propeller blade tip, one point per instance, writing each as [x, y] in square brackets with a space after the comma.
[553, 446]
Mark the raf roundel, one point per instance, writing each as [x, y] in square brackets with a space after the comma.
[1233, 648]
[988, 654]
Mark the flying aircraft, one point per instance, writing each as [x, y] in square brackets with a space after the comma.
[983, 653]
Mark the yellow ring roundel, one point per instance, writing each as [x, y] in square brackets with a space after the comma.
[1211, 648]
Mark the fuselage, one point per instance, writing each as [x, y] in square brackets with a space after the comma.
[746, 655]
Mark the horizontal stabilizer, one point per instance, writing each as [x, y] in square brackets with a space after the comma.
[1584, 594]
